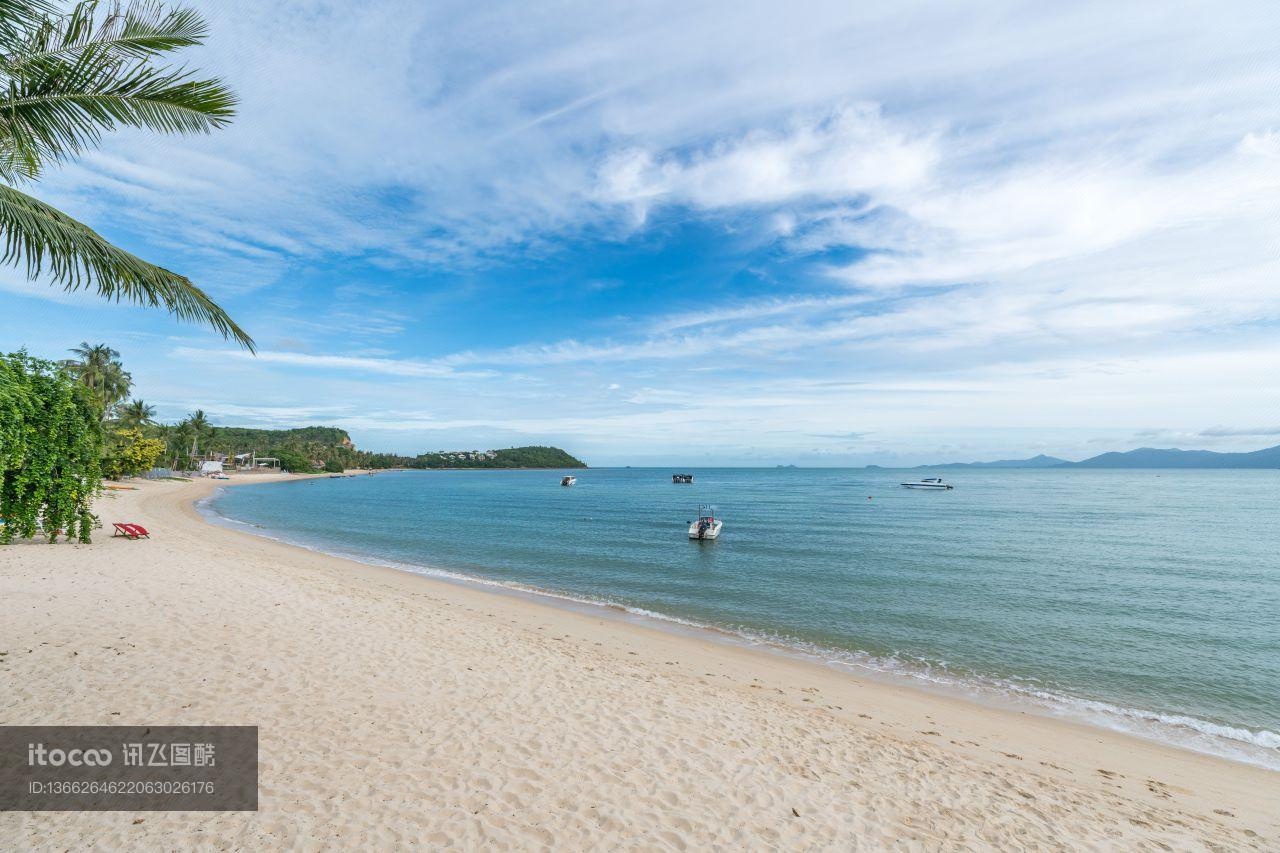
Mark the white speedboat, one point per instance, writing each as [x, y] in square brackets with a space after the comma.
[707, 526]
[568, 481]
[934, 483]
[682, 478]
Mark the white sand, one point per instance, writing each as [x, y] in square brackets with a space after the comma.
[396, 710]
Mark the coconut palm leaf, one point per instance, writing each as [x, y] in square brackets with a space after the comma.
[65, 79]
[98, 368]
[45, 240]
[18, 17]
[139, 30]
[76, 77]
[136, 413]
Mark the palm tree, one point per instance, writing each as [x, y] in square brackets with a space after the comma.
[200, 428]
[65, 78]
[176, 441]
[137, 414]
[98, 368]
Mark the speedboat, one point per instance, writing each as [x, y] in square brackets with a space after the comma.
[568, 481]
[682, 478]
[707, 526]
[929, 483]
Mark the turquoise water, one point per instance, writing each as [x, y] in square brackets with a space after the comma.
[1147, 601]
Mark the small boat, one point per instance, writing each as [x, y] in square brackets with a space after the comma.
[707, 526]
[568, 481]
[682, 478]
[934, 483]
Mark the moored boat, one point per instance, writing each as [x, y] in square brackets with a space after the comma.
[682, 478]
[933, 483]
[707, 525]
[568, 481]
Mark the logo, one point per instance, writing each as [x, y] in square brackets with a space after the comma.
[39, 756]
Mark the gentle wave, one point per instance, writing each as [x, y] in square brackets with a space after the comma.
[1259, 747]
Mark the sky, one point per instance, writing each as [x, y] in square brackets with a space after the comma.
[713, 233]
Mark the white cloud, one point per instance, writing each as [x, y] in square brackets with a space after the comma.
[1019, 222]
[387, 366]
[848, 153]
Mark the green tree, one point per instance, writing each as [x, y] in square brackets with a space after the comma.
[293, 461]
[50, 451]
[65, 79]
[99, 369]
[130, 454]
[200, 430]
[178, 440]
[136, 414]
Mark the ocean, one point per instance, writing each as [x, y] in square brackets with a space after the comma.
[1146, 601]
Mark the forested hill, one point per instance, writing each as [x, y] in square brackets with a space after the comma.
[331, 448]
[263, 441]
[511, 457]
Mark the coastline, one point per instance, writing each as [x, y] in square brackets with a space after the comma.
[604, 730]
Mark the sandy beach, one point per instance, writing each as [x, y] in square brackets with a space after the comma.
[397, 710]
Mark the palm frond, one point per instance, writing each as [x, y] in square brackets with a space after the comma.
[75, 77]
[52, 111]
[44, 239]
[140, 30]
[19, 17]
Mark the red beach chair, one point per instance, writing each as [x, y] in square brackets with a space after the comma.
[130, 531]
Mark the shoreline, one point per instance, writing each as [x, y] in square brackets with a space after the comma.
[1163, 728]
[617, 703]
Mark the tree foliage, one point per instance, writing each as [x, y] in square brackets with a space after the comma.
[129, 453]
[67, 78]
[136, 413]
[294, 461]
[98, 368]
[51, 441]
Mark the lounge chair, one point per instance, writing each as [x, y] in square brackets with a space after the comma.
[130, 531]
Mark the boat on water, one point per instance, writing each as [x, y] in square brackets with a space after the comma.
[682, 478]
[707, 526]
[568, 481]
[933, 483]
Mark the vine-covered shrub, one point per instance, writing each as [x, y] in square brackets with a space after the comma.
[50, 451]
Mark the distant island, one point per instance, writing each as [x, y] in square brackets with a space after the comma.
[511, 457]
[1143, 457]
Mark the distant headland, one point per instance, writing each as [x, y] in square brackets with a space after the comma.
[331, 448]
[1143, 457]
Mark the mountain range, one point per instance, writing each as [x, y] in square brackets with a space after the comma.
[1143, 457]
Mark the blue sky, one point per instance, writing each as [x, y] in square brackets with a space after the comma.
[714, 233]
